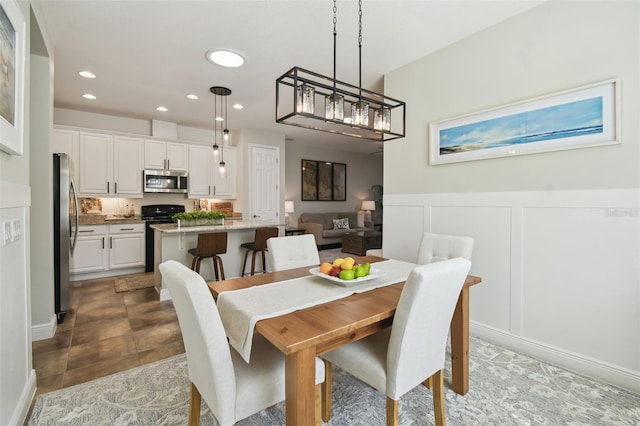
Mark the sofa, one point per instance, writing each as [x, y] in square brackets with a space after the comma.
[324, 229]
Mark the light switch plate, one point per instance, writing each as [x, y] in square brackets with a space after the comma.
[6, 232]
[16, 229]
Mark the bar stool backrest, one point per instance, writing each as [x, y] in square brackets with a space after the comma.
[262, 235]
[211, 243]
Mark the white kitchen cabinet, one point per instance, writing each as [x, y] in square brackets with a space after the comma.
[91, 253]
[165, 155]
[110, 165]
[224, 184]
[205, 179]
[66, 141]
[126, 245]
[128, 162]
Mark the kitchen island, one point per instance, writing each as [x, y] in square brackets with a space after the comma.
[172, 243]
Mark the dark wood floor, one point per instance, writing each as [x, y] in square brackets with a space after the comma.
[106, 332]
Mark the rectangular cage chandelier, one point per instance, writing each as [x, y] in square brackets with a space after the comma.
[304, 99]
[313, 101]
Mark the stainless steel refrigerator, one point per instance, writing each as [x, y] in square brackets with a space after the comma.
[65, 229]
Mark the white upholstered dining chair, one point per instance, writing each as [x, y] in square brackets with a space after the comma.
[437, 247]
[291, 252]
[232, 389]
[412, 350]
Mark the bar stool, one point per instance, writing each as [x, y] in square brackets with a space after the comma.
[210, 245]
[259, 245]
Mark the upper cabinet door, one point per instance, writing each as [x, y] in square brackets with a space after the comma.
[200, 161]
[225, 183]
[154, 154]
[95, 164]
[128, 160]
[177, 156]
[162, 155]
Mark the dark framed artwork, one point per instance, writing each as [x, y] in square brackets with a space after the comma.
[324, 181]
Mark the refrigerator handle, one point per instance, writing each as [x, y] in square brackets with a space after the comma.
[72, 190]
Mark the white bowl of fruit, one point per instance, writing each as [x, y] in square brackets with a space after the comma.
[345, 271]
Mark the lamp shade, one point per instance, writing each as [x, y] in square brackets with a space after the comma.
[368, 205]
[288, 206]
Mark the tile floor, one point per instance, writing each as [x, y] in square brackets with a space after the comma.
[106, 332]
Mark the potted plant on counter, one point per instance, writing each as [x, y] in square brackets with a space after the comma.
[196, 218]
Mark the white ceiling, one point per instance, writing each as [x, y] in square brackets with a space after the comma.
[150, 53]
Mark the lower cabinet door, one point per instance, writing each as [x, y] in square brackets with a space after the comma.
[127, 250]
[90, 254]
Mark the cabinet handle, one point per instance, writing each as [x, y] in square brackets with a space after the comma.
[87, 230]
[102, 243]
[108, 188]
[110, 242]
[168, 166]
[126, 229]
[209, 192]
[115, 184]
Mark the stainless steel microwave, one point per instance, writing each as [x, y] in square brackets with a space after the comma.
[165, 181]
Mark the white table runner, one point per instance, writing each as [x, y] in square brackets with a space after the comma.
[241, 309]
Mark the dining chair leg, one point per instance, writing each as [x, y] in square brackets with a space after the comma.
[194, 406]
[326, 391]
[438, 398]
[392, 412]
[318, 405]
[264, 262]
[428, 383]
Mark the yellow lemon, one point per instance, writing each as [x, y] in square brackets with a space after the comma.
[338, 261]
[325, 267]
[347, 264]
[350, 259]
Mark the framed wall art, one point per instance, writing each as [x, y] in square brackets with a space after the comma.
[576, 118]
[12, 76]
[324, 181]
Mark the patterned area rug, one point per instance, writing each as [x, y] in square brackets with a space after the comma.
[135, 282]
[505, 388]
[330, 255]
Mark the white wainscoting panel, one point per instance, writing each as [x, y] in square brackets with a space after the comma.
[577, 263]
[560, 270]
[490, 228]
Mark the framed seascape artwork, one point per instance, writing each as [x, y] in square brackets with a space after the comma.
[12, 59]
[576, 118]
[324, 181]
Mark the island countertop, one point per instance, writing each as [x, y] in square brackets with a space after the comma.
[229, 225]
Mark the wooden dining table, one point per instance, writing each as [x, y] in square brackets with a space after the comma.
[304, 334]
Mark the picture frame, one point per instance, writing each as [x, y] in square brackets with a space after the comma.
[582, 117]
[12, 77]
[323, 181]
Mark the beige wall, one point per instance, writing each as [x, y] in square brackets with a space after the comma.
[363, 171]
[553, 47]
[556, 234]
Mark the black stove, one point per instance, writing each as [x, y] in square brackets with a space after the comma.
[154, 214]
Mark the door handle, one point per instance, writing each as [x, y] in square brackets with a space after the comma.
[255, 216]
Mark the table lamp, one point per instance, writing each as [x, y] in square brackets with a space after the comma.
[368, 206]
[288, 208]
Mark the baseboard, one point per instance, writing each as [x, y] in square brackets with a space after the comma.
[24, 403]
[593, 368]
[106, 274]
[44, 331]
[164, 294]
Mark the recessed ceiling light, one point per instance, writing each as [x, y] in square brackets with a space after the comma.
[89, 96]
[161, 108]
[237, 106]
[192, 97]
[87, 74]
[225, 58]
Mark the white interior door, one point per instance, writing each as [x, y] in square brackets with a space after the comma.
[265, 179]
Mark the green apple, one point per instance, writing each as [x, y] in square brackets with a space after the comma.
[347, 274]
[360, 271]
[367, 267]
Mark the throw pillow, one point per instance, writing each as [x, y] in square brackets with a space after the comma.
[341, 223]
